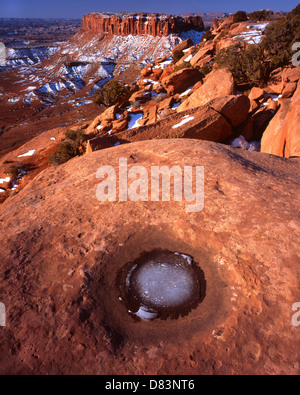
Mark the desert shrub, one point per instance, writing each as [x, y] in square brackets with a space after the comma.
[112, 93]
[240, 16]
[207, 68]
[262, 15]
[159, 98]
[295, 11]
[64, 153]
[17, 170]
[208, 35]
[279, 38]
[77, 139]
[177, 55]
[253, 64]
[247, 65]
[14, 172]
[71, 147]
[183, 65]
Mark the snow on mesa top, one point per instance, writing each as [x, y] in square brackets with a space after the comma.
[126, 15]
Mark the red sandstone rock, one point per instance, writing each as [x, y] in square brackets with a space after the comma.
[214, 121]
[98, 143]
[180, 80]
[234, 108]
[256, 94]
[184, 45]
[62, 250]
[201, 54]
[292, 126]
[139, 24]
[146, 71]
[291, 74]
[120, 124]
[289, 89]
[282, 137]
[218, 83]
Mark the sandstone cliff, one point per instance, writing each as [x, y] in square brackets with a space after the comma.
[123, 24]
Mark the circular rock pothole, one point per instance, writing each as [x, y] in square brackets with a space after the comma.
[161, 285]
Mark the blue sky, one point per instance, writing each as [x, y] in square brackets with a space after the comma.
[78, 8]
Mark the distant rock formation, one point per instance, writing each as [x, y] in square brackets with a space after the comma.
[123, 24]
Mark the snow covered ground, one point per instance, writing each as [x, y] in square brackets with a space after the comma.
[17, 57]
[254, 34]
[185, 120]
[29, 153]
[194, 35]
[134, 118]
[241, 142]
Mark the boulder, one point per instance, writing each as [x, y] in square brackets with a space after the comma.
[254, 106]
[120, 124]
[142, 96]
[289, 89]
[104, 127]
[207, 124]
[202, 62]
[274, 138]
[275, 84]
[218, 83]
[256, 94]
[166, 103]
[282, 137]
[272, 105]
[234, 108]
[215, 121]
[156, 74]
[105, 120]
[183, 45]
[109, 114]
[98, 143]
[180, 80]
[145, 72]
[150, 116]
[197, 59]
[283, 80]
[292, 127]
[169, 69]
[291, 74]
[261, 120]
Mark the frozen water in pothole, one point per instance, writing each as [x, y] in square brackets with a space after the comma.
[162, 284]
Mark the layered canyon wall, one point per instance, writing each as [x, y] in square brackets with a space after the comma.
[124, 24]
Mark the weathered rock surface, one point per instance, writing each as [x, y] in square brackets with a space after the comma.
[197, 59]
[213, 122]
[282, 136]
[184, 45]
[218, 83]
[61, 251]
[180, 80]
[124, 24]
